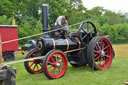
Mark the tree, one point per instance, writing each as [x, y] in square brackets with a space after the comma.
[113, 18]
[76, 11]
[4, 20]
[6, 8]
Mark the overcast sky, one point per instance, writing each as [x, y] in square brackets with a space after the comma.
[114, 5]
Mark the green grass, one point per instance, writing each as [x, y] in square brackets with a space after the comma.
[117, 74]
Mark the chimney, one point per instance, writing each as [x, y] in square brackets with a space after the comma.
[45, 16]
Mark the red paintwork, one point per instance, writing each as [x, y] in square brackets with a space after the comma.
[103, 62]
[53, 71]
[9, 32]
[33, 65]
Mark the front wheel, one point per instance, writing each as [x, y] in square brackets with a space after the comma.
[33, 66]
[54, 64]
[99, 53]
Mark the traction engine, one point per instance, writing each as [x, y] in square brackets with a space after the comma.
[80, 48]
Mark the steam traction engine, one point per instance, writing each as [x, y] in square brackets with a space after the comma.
[80, 48]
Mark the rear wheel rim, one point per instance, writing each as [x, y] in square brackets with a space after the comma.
[56, 64]
[102, 53]
[34, 66]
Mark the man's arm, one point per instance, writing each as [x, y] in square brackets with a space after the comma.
[59, 22]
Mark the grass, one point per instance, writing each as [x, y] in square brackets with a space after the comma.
[117, 74]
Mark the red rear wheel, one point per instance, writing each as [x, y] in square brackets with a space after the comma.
[54, 64]
[33, 66]
[100, 53]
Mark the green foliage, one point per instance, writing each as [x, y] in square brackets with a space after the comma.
[96, 11]
[56, 8]
[28, 18]
[6, 8]
[5, 21]
[118, 32]
[113, 18]
[28, 28]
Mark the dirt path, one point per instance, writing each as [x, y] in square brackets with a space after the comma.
[121, 50]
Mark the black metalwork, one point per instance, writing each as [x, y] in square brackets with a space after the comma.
[45, 16]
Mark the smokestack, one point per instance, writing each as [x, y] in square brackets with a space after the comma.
[45, 16]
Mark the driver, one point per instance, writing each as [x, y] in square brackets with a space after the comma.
[62, 22]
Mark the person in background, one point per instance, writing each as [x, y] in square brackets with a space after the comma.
[62, 22]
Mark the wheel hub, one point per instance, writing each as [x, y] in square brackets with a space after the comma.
[57, 64]
[102, 53]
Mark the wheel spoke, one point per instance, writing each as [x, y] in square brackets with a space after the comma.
[31, 64]
[84, 30]
[40, 64]
[37, 67]
[105, 51]
[51, 63]
[95, 55]
[97, 58]
[61, 61]
[101, 42]
[55, 71]
[106, 47]
[61, 66]
[50, 67]
[84, 36]
[34, 67]
[98, 46]
[102, 45]
[59, 69]
[100, 61]
[107, 56]
[103, 58]
[52, 59]
[56, 58]
[52, 70]
[96, 51]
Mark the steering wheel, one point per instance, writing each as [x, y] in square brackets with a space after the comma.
[87, 30]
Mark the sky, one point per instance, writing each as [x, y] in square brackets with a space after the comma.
[114, 5]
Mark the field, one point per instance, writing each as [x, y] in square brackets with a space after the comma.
[121, 50]
[117, 74]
